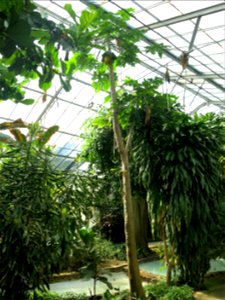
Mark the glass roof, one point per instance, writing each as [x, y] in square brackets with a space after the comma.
[197, 29]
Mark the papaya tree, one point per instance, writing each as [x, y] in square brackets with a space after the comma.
[101, 32]
[40, 213]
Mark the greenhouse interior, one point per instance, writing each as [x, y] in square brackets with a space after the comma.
[112, 149]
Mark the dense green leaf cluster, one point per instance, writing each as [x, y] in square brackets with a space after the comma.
[179, 159]
[99, 151]
[101, 32]
[38, 295]
[174, 157]
[41, 212]
[33, 47]
[29, 49]
[161, 291]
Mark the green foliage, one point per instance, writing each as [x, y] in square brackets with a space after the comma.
[156, 49]
[99, 148]
[95, 256]
[179, 161]
[123, 295]
[38, 295]
[156, 291]
[107, 250]
[29, 49]
[103, 31]
[99, 151]
[160, 291]
[40, 215]
[30, 46]
[179, 293]
[69, 9]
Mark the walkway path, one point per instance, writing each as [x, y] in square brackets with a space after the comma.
[215, 293]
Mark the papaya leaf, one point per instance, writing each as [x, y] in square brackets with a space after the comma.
[40, 33]
[71, 12]
[86, 19]
[20, 32]
[28, 101]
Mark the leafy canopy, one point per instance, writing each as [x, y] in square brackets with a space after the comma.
[29, 49]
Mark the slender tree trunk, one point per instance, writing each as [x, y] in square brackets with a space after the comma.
[131, 250]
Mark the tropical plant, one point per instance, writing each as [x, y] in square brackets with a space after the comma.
[99, 150]
[94, 257]
[170, 153]
[54, 296]
[40, 42]
[160, 291]
[180, 164]
[103, 31]
[30, 49]
[40, 215]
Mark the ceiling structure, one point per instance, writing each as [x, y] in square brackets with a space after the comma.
[193, 27]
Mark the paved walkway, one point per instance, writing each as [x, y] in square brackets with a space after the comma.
[215, 293]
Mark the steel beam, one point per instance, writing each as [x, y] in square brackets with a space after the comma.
[51, 13]
[194, 34]
[198, 107]
[50, 103]
[177, 82]
[202, 76]
[216, 104]
[195, 14]
[189, 67]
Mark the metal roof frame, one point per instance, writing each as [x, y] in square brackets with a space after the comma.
[192, 15]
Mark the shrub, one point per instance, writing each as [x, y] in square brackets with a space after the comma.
[156, 291]
[54, 296]
[104, 249]
[40, 215]
[161, 291]
[179, 293]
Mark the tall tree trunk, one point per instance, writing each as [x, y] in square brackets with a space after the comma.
[131, 250]
[141, 222]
